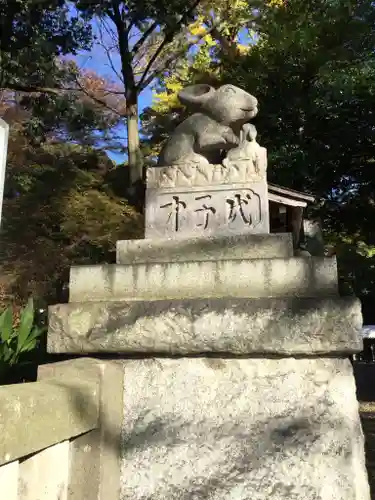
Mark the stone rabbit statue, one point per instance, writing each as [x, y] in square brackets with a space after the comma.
[214, 127]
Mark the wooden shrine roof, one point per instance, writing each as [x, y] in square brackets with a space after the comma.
[286, 196]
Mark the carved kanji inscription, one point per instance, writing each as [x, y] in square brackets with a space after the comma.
[209, 212]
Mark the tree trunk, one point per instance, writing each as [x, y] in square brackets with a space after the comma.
[134, 152]
[135, 160]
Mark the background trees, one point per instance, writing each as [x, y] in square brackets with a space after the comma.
[60, 200]
[313, 69]
[60, 207]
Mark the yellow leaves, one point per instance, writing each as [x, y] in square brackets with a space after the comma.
[209, 40]
[164, 101]
[243, 49]
[173, 85]
[276, 3]
[197, 28]
[167, 99]
[239, 4]
[229, 19]
[198, 31]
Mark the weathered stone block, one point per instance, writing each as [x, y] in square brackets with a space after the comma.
[42, 414]
[174, 280]
[45, 475]
[241, 429]
[245, 246]
[9, 480]
[94, 456]
[292, 326]
[200, 176]
[313, 237]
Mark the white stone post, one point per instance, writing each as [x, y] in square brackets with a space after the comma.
[4, 134]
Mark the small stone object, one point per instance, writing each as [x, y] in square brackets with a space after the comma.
[212, 129]
[249, 154]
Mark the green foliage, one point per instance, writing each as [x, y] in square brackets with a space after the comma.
[17, 340]
[73, 115]
[35, 39]
[139, 12]
[60, 209]
[315, 87]
[313, 71]
[33, 34]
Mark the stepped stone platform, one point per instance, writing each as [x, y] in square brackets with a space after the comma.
[230, 377]
[231, 247]
[234, 377]
[177, 280]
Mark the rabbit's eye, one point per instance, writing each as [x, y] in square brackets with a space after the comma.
[230, 90]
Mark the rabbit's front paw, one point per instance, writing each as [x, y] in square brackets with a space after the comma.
[231, 139]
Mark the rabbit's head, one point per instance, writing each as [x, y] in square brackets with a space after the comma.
[228, 104]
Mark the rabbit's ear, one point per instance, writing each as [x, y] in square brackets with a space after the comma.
[196, 94]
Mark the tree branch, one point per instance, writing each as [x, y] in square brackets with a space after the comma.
[158, 72]
[58, 91]
[125, 56]
[97, 100]
[229, 47]
[168, 37]
[138, 45]
[107, 49]
[30, 89]
[33, 89]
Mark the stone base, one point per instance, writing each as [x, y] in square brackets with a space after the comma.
[293, 327]
[256, 429]
[245, 246]
[259, 416]
[255, 278]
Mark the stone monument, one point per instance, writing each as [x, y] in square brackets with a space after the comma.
[233, 380]
[193, 196]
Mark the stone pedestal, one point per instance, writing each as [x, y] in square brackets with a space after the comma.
[236, 380]
[241, 429]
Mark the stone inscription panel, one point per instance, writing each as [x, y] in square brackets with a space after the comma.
[212, 211]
